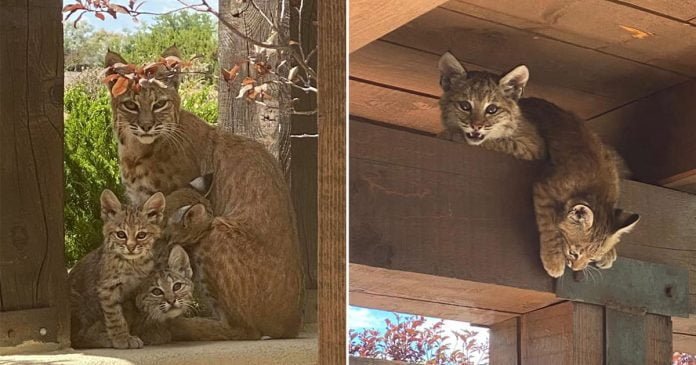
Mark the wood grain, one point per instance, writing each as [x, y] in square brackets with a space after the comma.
[331, 182]
[411, 69]
[370, 20]
[684, 10]
[32, 272]
[658, 339]
[414, 200]
[504, 342]
[551, 62]
[645, 42]
[684, 343]
[441, 297]
[565, 333]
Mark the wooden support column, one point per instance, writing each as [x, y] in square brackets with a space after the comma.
[504, 343]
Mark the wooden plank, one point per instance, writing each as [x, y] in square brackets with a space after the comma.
[504, 342]
[370, 20]
[685, 181]
[658, 339]
[367, 361]
[655, 134]
[684, 10]
[565, 333]
[414, 200]
[410, 69]
[614, 28]
[441, 297]
[303, 188]
[25, 325]
[32, 271]
[331, 193]
[501, 47]
[684, 343]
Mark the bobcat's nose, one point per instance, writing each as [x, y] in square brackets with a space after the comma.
[476, 126]
[146, 127]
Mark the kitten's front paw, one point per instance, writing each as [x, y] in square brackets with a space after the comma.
[554, 266]
[607, 261]
[127, 342]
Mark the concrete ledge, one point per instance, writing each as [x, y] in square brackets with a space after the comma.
[301, 351]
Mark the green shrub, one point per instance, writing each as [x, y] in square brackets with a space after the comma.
[91, 165]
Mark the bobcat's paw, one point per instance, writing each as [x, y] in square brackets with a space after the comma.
[127, 342]
[555, 265]
[607, 261]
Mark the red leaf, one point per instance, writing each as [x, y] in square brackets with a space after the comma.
[99, 15]
[231, 74]
[72, 7]
[110, 78]
[120, 87]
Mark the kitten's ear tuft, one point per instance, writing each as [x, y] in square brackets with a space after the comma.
[111, 58]
[110, 205]
[195, 215]
[173, 50]
[513, 82]
[202, 184]
[581, 214]
[179, 261]
[449, 67]
[154, 207]
[625, 221]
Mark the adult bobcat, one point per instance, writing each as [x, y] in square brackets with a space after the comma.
[162, 148]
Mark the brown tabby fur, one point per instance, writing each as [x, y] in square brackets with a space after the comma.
[149, 313]
[107, 277]
[163, 148]
[575, 199]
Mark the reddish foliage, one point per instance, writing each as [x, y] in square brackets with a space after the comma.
[121, 77]
[410, 340]
[683, 359]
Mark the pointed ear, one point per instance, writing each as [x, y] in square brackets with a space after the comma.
[112, 58]
[154, 207]
[179, 261]
[173, 50]
[513, 82]
[110, 205]
[195, 215]
[581, 214]
[625, 221]
[202, 184]
[178, 215]
[449, 66]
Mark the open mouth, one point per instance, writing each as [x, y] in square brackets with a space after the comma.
[474, 136]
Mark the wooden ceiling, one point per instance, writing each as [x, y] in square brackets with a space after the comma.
[589, 56]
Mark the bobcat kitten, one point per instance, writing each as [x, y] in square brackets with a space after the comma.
[483, 109]
[575, 199]
[165, 295]
[108, 276]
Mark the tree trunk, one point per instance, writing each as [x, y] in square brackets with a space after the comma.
[269, 123]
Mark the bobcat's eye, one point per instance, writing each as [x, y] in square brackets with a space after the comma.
[121, 235]
[492, 109]
[157, 291]
[465, 106]
[131, 106]
[160, 104]
[177, 286]
[141, 235]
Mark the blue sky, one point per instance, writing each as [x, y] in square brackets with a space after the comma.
[125, 23]
[360, 318]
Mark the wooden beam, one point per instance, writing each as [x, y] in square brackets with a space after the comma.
[370, 20]
[441, 297]
[608, 26]
[566, 333]
[505, 342]
[331, 182]
[655, 134]
[424, 205]
[33, 279]
[683, 343]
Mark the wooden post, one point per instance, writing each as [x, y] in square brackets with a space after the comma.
[332, 191]
[505, 342]
[33, 278]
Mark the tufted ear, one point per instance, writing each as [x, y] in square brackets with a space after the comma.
[173, 78]
[581, 214]
[625, 221]
[202, 184]
[110, 205]
[154, 207]
[173, 50]
[179, 261]
[111, 58]
[449, 67]
[513, 82]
